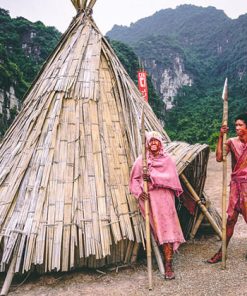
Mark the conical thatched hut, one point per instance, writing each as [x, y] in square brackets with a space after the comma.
[65, 161]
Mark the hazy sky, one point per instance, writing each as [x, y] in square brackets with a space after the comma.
[59, 13]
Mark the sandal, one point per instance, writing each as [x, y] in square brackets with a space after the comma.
[169, 274]
[216, 258]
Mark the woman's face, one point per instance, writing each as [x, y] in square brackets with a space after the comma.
[154, 146]
[241, 128]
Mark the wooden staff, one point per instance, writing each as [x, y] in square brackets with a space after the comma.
[224, 183]
[146, 204]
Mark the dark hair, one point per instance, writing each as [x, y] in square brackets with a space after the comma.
[243, 117]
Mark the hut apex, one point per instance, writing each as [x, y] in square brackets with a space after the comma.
[84, 5]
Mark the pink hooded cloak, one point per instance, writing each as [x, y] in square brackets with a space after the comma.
[163, 187]
[238, 185]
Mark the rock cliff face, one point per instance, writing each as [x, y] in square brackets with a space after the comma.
[168, 80]
[9, 102]
[172, 80]
[9, 107]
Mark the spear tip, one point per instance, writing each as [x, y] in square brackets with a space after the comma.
[225, 92]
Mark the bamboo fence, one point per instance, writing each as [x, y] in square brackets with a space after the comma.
[66, 159]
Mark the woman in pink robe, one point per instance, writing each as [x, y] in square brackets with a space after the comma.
[238, 186]
[163, 185]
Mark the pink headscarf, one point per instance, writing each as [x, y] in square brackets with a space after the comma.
[153, 135]
[161, 168]
[157, 136]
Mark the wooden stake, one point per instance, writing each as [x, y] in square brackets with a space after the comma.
[224, 183]
[201, 205]
[9, 277]
[146, 204]
[11, 270]
[158, 255]
[198, 223]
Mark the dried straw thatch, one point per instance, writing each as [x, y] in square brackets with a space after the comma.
[65, 161]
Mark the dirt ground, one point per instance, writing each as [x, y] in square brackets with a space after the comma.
[193, 275]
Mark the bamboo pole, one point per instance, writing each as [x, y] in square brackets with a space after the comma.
[198, 223]
[9, 277]
[224, 183]
[157, 255]
[135, 252]
[201, 205]
[91, 5]
[11, 270]
[146, 204]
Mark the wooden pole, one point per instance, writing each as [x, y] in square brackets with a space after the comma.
[224, 183]
[91, 4]
[9, 277]
[198, 223]
[201, 205]
[146, 204]
[157, 255]
[11, 270]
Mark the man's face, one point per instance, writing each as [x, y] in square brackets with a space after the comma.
[241, 128]
[154, 146]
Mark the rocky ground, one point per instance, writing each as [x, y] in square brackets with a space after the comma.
[193, 275]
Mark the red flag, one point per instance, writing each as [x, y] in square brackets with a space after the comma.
[142, 84]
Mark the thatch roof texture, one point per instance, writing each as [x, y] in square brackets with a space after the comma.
[65, 161]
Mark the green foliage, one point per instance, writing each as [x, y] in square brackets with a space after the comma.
[196, 117]
[187, 22]
[24, 46]
[130, 62]
[127, 57]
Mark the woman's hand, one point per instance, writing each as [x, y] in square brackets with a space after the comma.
[144, 196]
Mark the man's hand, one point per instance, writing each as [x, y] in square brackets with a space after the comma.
[146, 177]
[143, 196]
[224, 130]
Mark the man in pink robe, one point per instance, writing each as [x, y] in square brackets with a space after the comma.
[238, 186]
[163, 185]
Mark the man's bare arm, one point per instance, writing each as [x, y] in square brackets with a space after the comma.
[219, 149]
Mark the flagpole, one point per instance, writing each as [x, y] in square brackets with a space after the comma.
[146, 205]
[224, 183]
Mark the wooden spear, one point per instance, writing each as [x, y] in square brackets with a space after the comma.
[146, 204]
[224, 183]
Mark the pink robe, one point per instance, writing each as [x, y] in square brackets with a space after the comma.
[238, 185]
[162, 189]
